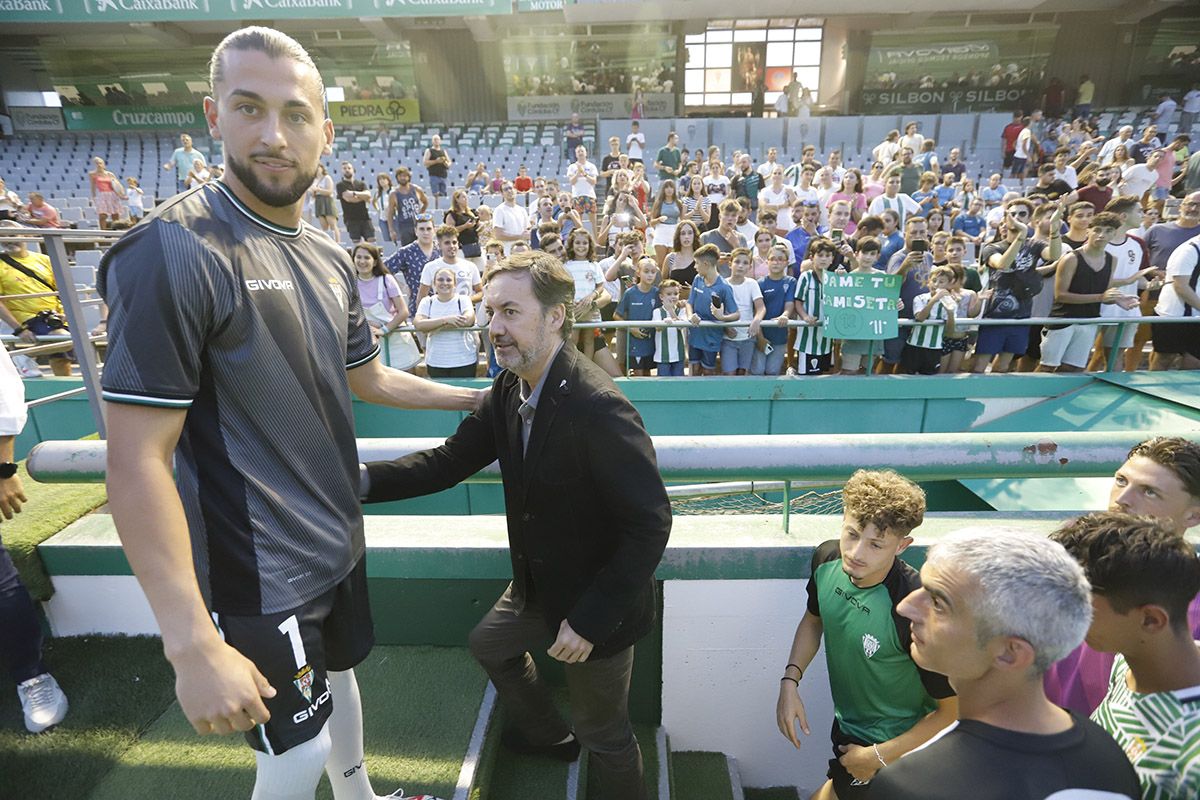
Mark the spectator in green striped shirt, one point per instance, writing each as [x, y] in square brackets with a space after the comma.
[1143, 577]
[922, 354]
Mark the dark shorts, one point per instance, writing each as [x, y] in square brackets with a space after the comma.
[646, 363]
[844, 784]
[1034, 350]
[892, 348]
[1178, 338]
[359, 229]
[465, 371]
[951, 345]
[1018, 167]
[40, 326]
[809, 364]
[1003, 339]
[407, 232]
[920, 360]
[705, 358]
[294, 650]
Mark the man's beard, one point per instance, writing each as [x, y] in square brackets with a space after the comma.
[267, 193]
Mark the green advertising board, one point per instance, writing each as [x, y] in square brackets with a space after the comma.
[861, 305]
[15, 11]
[135, 118]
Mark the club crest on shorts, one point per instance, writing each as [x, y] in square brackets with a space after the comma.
[870, 645]
[304, 682]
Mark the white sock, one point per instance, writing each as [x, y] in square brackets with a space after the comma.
[346, 767]
[292, 775]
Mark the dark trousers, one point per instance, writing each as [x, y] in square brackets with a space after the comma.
[20, 631]
[598, 689]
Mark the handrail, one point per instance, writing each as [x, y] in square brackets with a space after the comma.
[770, 457]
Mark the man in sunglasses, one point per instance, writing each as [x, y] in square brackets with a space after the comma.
[1013, 283]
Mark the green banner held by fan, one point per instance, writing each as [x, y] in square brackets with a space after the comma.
[861, 305]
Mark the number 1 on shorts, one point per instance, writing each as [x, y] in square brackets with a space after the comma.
[292, 628]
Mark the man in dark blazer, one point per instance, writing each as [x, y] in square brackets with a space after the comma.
[588, 520]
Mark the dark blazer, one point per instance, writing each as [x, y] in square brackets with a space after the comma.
[588, 515]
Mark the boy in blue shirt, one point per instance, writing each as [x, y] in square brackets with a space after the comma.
[638, 303]
[778, 290]
[711, 300]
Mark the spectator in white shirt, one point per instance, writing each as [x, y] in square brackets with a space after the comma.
[635, 143]
[1165, 111]
[1137, 179]
[582, 175]
[510, 222]
[450, 350]
[1191, 109]
[893, 199]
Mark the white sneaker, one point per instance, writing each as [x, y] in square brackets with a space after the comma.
[400, 795]
[42, 701]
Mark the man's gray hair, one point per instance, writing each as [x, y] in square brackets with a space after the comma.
[1027, 586]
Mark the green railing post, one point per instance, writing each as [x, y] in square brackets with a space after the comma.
[1115, 350]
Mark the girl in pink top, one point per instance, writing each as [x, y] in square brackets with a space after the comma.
[107, 193]
[852, 193]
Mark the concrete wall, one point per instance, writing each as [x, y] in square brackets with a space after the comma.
[725, 644]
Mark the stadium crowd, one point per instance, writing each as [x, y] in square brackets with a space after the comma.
[1078, 225]
[1081, 227]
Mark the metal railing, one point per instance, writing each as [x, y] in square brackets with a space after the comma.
[54, 244]
[792, 460]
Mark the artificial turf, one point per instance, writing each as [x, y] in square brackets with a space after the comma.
[117, 687]
[701, 776]
[50, 508]
[125, 736]
[774, 793]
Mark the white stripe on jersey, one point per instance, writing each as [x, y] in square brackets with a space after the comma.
[669, 344]
[810, 293]
[927, 336]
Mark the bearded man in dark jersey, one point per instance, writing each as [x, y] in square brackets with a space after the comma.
[236, 337]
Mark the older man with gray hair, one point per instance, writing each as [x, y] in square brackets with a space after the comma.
[995, 609]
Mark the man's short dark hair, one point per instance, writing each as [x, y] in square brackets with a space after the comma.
[1045, 169]
[871, 223]
[272, 43]
[1134, 561]
[1105, 219]
[552, 284]
[1122, 205]
[1181, 456]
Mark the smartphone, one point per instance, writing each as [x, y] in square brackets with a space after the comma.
[836, 235]
[716, 301]
[918, 246]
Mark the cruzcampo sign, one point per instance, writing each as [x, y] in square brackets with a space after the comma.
[131, 118]
[374, 112]
[861, 305]
[15, 11]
